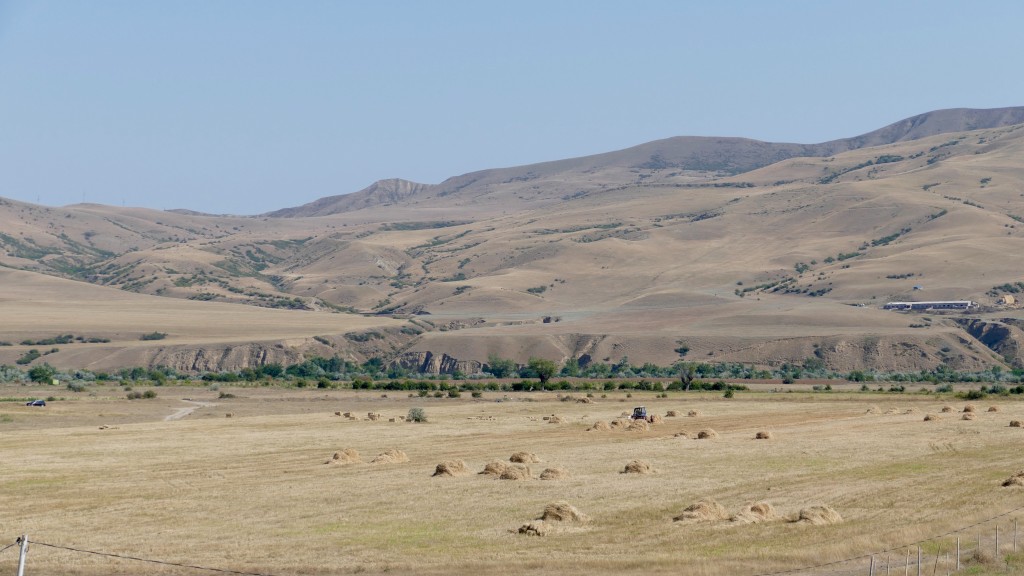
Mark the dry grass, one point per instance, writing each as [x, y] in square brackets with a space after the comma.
[258, 499]
[819, 516]
[554, 474]
[703, 511]
[755, 513]
[390, 456]
[451, 468]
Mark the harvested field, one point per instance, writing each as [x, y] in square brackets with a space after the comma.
[257, 498]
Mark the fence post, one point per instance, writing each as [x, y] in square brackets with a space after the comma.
[871, 567]
[997, 543]
[886, 565]
[1014, 534]
[24, 553]
[957, 553]
[906, 567]
[918, 560]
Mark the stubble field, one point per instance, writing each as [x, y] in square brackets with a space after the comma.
[255, 493]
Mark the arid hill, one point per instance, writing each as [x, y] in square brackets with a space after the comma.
[733, 249]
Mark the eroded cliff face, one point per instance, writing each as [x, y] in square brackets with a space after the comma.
[430, 363]
[1004, 337]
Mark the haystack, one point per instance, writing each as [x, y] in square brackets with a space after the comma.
[755, 514]
[524, 458]
[947, 409]
[763, 435]
[873, 410]
[655, 419]
[681, 434]
[554, 474]
[930, 417]
[819, 516]
[637, 467]
[556, 420]
[562, 511]
[702, 511]
[671, 414]
[910, 411]
[1015, 480]
[390, 456]
[620, 423]
[967, 416]
[970, 408]
[693, 413]
[373, 416]
[707, 434]
[496, 468]
[516, 472]
[638, 426]
[451, 468]
[346, 456]
[600, 426]
[892, 411]
[993, 409]
[1016, 424]
[538, 528]
[584, 400]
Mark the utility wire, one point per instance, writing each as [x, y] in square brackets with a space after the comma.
[16, 542]
[149, 560]
[893, 549]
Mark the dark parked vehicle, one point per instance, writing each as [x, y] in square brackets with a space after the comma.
[36, 403]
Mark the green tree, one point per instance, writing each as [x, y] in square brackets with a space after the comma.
[571, 368]
[686, 371]
[500, 367]
[43, 373]
[544, 369]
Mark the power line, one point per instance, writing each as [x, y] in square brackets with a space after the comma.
[149, 560]
[15, 543]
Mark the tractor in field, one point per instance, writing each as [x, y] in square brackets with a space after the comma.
[640, 413]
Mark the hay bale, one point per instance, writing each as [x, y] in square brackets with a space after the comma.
[346, 456]
[620, 423]
[681, 434]
[347, 414]
[693, 413]
[374, 416]
[910, 411]
[1015, 480]
[600, 426]
[556, 420]
[637, 467]
[893, 411]
[638, 426]
[516, 472]
[930, 417]
[554, 474]
[967, 416]
[524, 458]
[451, 468]
[993, 409]
[1016, 424]
[702, 511]
[970, 408]
[946, 409]
[671, 414]
[337, 413]
[584, 400]
[873, 410]
[625, 414]
[229, 415]
[819, 516]
[655, 419]
[495, 468]
[707, 434]
[390, 456]
[562, 511]
[538, 528]
[755, 514]
[763, 435]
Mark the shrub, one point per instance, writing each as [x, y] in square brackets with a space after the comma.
[728, 393]
[476, 394]
[76, 386]
[416, 415]
[454, 393]
[153, 336]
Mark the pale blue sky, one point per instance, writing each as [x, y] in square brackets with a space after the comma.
[249, 106]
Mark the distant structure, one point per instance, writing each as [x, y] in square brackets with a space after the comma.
[1007, 300]
[936, 305]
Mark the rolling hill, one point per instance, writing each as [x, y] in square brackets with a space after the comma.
[734, 250]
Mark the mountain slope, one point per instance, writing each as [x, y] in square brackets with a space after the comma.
[678, 160]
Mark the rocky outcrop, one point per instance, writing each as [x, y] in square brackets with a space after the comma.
[1002, 337]
[430, 363]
